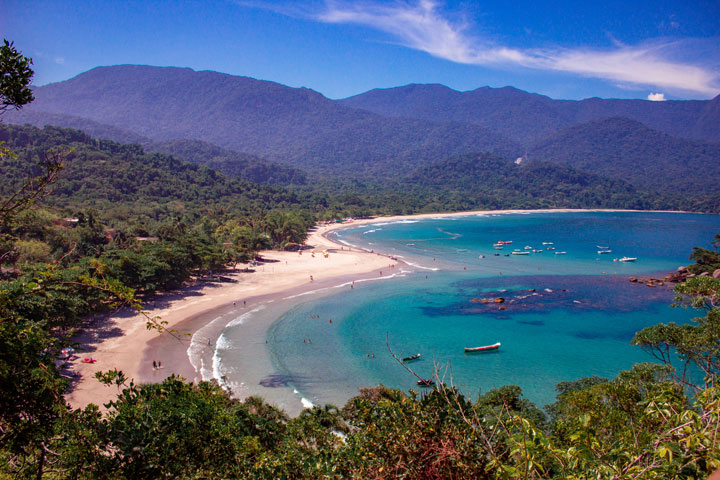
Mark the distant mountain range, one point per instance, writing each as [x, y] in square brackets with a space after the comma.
[208, 117]
[528, 117]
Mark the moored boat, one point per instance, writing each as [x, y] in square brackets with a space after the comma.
[604, 251]
[520, 253]
[486, 348]
[411, 358]
[627, 259]
[560, 253]
[426, 383]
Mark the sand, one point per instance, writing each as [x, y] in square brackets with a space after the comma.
[122, 341]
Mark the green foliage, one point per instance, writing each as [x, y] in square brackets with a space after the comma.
[15, 78]
[623, 149]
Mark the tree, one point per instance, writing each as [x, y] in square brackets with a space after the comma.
[15, 77]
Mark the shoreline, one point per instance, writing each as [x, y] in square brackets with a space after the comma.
[120, 340]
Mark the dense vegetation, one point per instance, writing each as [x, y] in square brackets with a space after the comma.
[232, 164]
[652, 422]
[298, 127]
[624, 149]
[528, 117]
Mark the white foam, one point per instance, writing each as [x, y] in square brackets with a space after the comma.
[241, 319]
[216, 363]
[372, 231]
[421, 266]
[306, 403]
[394, 223]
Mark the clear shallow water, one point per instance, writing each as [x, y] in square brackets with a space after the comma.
[578, 322]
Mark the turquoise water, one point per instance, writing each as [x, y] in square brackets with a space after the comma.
[565, 316]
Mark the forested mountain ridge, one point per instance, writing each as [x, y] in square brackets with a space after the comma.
[488, 181]
[234, 164]
[528, 117]
[122, 180]
[295, 126]
[624, 149]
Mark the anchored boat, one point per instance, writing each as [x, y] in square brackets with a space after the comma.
[486, 348]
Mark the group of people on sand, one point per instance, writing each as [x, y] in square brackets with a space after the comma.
[157, 365]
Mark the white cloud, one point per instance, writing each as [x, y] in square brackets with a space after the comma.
[656, 97]
[60, 60]
[421, 26]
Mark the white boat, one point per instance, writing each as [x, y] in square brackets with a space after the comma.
[602, 247]
[560, 253]
[498, 247]
[600, 252]
[528, 247]
[627, 259]
[550, 248]
[548, 243]
[521, 253]
[536, 251]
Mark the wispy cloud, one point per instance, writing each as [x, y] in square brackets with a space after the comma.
[421, 25]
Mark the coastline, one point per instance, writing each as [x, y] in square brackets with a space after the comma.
[121, 341]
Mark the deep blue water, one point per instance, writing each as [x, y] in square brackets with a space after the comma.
[564, 316]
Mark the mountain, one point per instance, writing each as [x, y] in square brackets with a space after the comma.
[90, 127]
[625, 149]
[487, 181]
[233, 164]
[295, 126]
[527, 117]
[121, 180]
[518, 115]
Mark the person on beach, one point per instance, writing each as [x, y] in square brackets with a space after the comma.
[311, 278]
[154, 365]
[159, 364]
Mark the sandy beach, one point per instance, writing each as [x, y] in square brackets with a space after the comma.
[122, 341]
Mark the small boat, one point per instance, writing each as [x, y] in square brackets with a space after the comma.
[602, 247]
[426, 383]
[411, 358]
[550, 248]
[548, 243]
[536, 250]
[627, 259]
[486, 348]
[410, 244]
[498, 247]
[560, 253]
[520, 253]
[528, 247]
[504, 242]
[600, 252]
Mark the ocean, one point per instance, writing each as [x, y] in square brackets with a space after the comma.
[567, 311]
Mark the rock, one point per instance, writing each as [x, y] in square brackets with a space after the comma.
[716, 273]
[501, 308]
[499, 300]
[475, 300]
[531, 290]
[633, 279]
[705, 274]
[682, 269]
[690, 275]
[485, 300]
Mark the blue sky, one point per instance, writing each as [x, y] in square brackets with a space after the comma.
[561, 48]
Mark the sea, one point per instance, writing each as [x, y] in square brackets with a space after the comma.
[567, 311]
